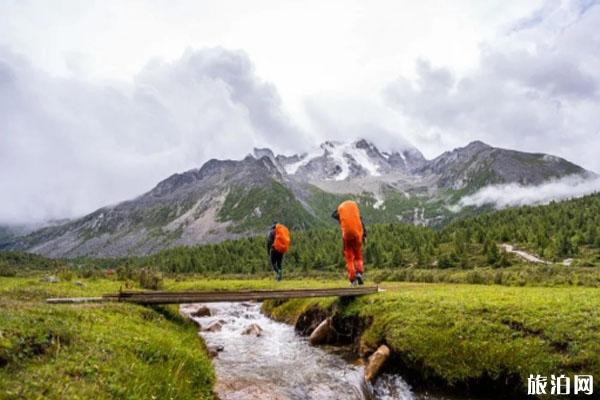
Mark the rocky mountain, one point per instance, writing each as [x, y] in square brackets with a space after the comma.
[343, 161]
[10, 232]
[478, 165]
[227, 199]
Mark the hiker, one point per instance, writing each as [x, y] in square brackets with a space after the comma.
[278, 243]
[353, 235]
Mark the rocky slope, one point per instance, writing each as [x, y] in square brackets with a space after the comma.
[228, 199]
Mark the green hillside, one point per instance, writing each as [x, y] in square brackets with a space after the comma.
[554, 232]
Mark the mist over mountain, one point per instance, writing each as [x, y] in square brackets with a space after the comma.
[227, 199]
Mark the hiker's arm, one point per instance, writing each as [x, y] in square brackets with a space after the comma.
[270, 240]
[335, 215]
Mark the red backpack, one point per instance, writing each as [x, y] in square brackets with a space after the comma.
[282, 239]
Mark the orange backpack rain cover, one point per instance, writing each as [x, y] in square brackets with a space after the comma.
[350, 220]
[282, 238]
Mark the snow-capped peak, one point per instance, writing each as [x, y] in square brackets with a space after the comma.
[338, 161]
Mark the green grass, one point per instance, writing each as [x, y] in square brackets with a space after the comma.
[106, 351]
[522, 274]
[461, 334]
[451, 334]
[95, 351]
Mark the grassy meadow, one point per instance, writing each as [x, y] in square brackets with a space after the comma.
[104, 351]
[95, 351]
[454, 336]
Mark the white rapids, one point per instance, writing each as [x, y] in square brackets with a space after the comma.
[280, 364]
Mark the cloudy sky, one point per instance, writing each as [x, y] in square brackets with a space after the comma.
[99, 100]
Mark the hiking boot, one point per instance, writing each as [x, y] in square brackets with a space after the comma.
[359, 278]
[279, 275]
[354, 283]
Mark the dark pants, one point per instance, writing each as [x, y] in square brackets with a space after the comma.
[276, 260]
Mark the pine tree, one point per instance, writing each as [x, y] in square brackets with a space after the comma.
[492, 254]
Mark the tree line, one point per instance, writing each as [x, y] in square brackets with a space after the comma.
[555, 231]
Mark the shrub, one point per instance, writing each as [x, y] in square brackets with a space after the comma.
[7, 271]
[150, 279]
[66, 274]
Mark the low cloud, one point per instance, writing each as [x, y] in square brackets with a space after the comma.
[536, 88]
[513, 194]
[69, 146]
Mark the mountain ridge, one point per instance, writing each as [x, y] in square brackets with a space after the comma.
[225, 199]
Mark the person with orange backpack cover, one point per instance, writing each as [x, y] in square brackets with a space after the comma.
[353, 236]
[278, 243]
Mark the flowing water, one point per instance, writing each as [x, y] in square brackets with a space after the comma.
[280, 364]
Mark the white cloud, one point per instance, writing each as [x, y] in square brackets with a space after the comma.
[69, 146]
[513, 194]
[536, 88]
[86, 120]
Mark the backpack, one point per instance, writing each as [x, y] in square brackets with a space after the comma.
[350, 222]
[282, 239]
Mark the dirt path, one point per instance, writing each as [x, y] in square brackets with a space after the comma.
[509, 248]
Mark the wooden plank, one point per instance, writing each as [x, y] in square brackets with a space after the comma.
[78, 300]
[165, 297]
[358, 290]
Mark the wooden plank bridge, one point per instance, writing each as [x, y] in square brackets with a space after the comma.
[170, 297]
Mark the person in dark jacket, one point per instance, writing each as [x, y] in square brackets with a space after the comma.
[278, 243]
[354, 234]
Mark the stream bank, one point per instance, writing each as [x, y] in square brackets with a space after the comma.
[351, 331]
[274, 362]
[478, 341]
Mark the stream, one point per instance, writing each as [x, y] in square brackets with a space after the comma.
[281, 365]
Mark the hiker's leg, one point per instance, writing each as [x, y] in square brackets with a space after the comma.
[273, 259]
[358, 257]
[349, 256]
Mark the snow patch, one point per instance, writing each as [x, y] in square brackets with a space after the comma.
[403, 157]
[550, 158]
[337, 154]
[292, 168]
[361, 157]
[419, 216]
[342, 155]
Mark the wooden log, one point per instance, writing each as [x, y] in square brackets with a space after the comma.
[321, 332]
[376, 361]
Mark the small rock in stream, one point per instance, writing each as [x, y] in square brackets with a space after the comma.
[213, 327]
[253, 329]
[201, 311]
[213, 351]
